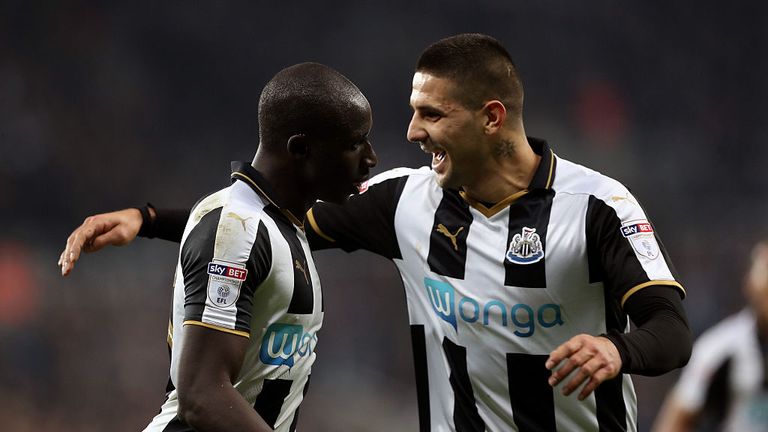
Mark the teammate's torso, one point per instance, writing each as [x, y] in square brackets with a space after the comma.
[495, 293]
[283, 311]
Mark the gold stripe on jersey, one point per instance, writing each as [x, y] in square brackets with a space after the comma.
[499, 206]
[169, 338]
[316, 228]
[294, 220]
[551, 169]
[222, 329]
[651, 283]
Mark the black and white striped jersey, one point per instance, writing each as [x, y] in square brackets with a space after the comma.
[491, 291]
[726, 377]
[244, 268]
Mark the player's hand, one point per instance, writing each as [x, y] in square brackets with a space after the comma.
[593, 358]
[116, 228]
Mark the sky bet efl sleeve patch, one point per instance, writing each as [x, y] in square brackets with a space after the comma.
[641, 237]
[224, 282]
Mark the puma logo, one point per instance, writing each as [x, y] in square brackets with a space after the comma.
[444, 231]
[237, 216]
[300, 267]
[624, 198]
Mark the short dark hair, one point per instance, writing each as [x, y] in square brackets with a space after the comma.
[480, 66]
[307, 98]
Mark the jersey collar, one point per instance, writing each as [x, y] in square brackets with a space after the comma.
[245, 172]
[545, 173]
[542, 180]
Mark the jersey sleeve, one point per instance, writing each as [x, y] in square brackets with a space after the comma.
[625, 252]
[365, 221]
[223, 261]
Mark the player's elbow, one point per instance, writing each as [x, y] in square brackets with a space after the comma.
[192, 407]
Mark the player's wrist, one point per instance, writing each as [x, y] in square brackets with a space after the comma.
[148, 218]
[617, 339]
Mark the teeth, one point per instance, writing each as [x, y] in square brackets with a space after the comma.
[441, 156]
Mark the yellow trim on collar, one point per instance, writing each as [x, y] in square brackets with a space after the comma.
[221, 329]
[316, 228]
[551, 169]
[294, 220]
[651, 283]
[501, 205]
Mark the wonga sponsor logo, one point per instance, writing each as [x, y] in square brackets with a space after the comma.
[524, 318]
[282, 342]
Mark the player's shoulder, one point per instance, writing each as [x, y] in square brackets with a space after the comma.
[728, 332]
[234, 209]
[400, 173]
[577, 179]
[724, 339]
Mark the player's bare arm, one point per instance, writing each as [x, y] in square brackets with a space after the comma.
[210, 363]
[115, 228]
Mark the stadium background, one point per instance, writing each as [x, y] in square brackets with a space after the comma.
[108, 104]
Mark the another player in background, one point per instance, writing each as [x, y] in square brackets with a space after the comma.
[726, 382]
[521, 269]
[247, 303]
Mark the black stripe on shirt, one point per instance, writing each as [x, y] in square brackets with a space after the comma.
[448, 239]
[465, 415]
[296, 414]
[532, 211]
[611, 410]
[270, 401]
[419, 346]
[530, 395]
[303, 299]
[719, 396]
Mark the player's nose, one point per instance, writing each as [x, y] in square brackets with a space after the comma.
[370, 158]
[416, 133]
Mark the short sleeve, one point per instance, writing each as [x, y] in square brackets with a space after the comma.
[223, 261]
[625, 252]
[365, 221]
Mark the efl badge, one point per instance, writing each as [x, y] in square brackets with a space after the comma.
[224, 281]
[525, 247]
[641, 237]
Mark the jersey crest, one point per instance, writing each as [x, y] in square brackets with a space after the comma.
[525, 247]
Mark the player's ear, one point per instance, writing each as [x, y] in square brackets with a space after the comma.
[298, 145]
[495, 115]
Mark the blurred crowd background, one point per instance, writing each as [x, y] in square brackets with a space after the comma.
[105, 105]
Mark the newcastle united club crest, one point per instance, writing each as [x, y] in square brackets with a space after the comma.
[525, 247]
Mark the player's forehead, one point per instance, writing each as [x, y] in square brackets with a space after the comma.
[429, 90]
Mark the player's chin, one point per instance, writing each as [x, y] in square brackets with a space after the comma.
[447, 181]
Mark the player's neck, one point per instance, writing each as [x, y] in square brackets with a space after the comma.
[290, 194]
[507, 173]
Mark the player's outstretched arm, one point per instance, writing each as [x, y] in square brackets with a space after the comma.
[116, 228]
